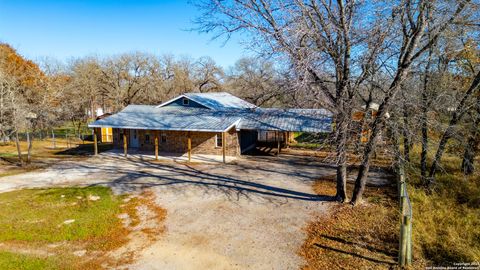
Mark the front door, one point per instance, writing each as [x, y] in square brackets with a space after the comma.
[134, 138]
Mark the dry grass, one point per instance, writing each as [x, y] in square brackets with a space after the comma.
[43, 154]
[446, 221]
[364, 237]
[380, 160]
[145, 226]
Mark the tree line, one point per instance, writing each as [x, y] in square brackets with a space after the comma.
[411, 67]
[42, 94]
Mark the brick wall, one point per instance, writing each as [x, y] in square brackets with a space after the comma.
[176, 141]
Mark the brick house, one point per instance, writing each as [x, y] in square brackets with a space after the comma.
[208, 123]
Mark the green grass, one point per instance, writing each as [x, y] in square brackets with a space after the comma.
[9, 260]
[312, 146]
[310, 140]
[68, 128]
[33, 233]
[38, 214]
[31, 219]
[8, 154]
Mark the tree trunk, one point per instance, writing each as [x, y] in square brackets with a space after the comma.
[424, 153]
[406, 134]
[424, 119]
[469, 157]
[19, 150]
[341, 144]
[472, 144]
[361, 180]
[447, 134]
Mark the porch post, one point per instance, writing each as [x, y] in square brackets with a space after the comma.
[278, 143]
[124, 144]
[287, 139]
[95, 145]
[224, 145]
[156, 144]
[189, 145]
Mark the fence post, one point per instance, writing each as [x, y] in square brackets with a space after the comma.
[53, 140]
[29, 147]
[409, 240]
[401, 244]
[405, 242]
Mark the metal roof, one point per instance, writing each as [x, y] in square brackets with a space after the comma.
[303, 120]
[169, 118]
[202, 119]
[215, 100]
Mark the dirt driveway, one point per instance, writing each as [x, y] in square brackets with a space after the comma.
[247, 215]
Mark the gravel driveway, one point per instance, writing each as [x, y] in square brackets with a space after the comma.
[247, 215]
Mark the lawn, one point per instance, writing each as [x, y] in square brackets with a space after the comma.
[38, 214]
[10, 260]
[44, 228]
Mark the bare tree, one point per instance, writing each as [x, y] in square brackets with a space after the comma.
[208, 76]
[331, 46]
[457, 115]
[416, 39]
[257, 81]
[13, 110]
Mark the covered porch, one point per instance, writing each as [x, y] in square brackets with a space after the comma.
[191, 146]
[168, 156]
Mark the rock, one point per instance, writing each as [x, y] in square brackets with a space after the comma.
[79, 197]
[62, 196]
[93, 198]
[80, 253]
[54, 245]
[123, 216]
[69, 221]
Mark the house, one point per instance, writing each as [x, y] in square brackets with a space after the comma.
[208, 123]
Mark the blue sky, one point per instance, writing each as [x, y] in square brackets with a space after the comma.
[65, 29]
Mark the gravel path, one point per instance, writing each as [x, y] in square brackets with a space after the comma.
[247, 215]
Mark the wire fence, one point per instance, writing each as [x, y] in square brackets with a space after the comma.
[406, 215]
[60, 138]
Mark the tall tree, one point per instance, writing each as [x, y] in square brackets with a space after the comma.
[416, 39]
[332, 47]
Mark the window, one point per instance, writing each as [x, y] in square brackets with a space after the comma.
[186, 101]
[147, 138]
[218, 140]
[163, 138]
